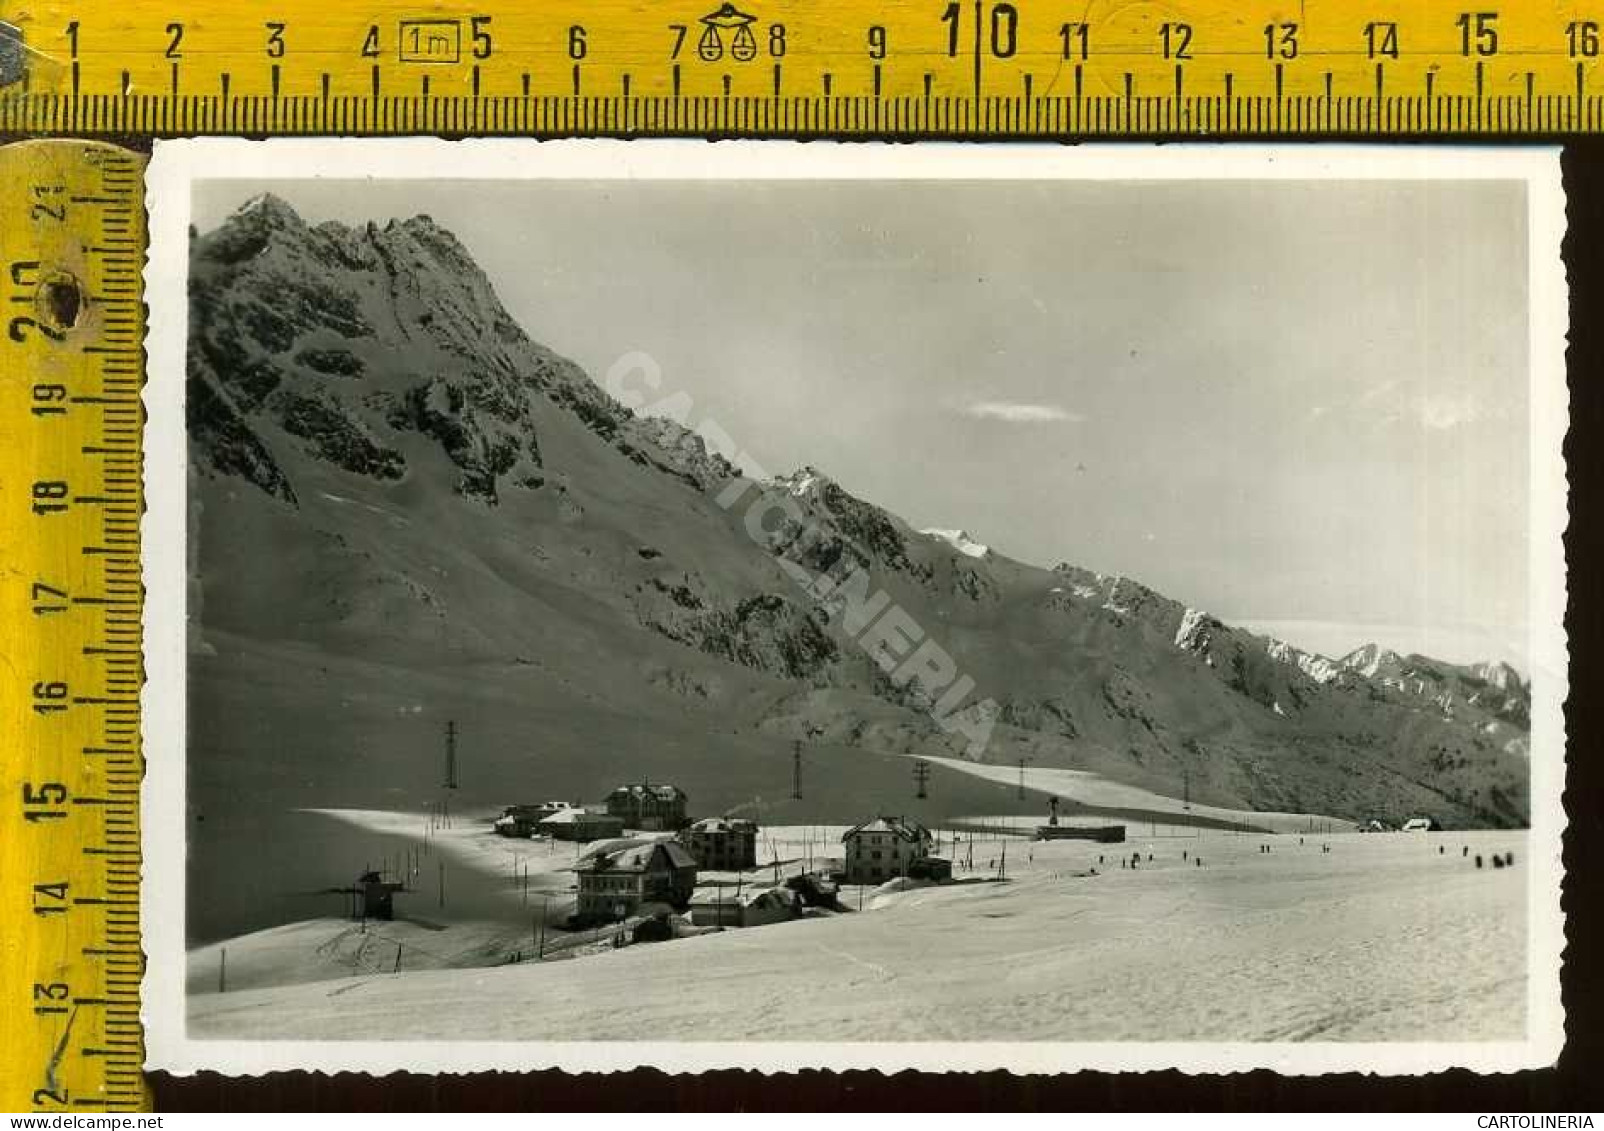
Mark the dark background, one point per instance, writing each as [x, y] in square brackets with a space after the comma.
[1573, 1085]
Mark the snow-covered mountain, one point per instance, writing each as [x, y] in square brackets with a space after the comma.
[1373, 662]
[1495, 689]
[961, 541]
[408, 510]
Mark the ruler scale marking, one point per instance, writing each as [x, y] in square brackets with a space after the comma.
[985, 57]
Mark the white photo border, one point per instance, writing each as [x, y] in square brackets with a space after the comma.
[177, 165]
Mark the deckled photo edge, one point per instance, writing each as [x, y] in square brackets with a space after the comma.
[175, 168]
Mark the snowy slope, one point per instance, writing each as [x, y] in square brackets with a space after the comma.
[961, 541]
[1379, 939]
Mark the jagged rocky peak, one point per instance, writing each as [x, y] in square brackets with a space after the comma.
[399, 246]
[1499, 674]
[806, 482]
[422, 225]
[1196, 631]
[249, 229]
[440, 243]
[1372, 660]
[267, 208]
[865, 532]
[961, 541]
[352, 339]
[1317, 667]
[339, 342]
[1122, 596]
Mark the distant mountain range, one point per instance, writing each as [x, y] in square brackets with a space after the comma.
[391, 477]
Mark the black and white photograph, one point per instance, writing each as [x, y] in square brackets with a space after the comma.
[779, 605]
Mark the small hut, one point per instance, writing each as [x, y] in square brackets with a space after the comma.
[726, 905]
[377, 895]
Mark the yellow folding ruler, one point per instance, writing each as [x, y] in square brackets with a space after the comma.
[72, 237]
[71, 231]
[992, 68]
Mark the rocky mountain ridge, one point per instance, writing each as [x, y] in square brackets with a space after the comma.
[438, 486]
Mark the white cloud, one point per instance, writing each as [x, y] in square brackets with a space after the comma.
[1389, 402]
[1382, 390]
[1441, 412]
[1014, 412]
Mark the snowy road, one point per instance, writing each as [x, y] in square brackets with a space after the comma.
[1381, 938]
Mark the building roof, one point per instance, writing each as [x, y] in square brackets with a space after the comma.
[657, 792]
[575, 816]
[529, 810]
[897, 826]
[636, 858]
[617, 844]
[714, 894]
[723, 825]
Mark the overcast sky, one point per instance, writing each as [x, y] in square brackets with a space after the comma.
[1301, 406]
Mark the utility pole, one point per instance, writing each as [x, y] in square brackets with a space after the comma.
[1022, 762]
[1186, 786]
[451, 753]
[796, 771]
[921, 777]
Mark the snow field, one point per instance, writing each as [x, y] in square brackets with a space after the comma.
[1380, 938]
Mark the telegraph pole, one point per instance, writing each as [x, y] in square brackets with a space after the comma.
[451, 754]
[796, 771]
[1022, 762]
[921, 777]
